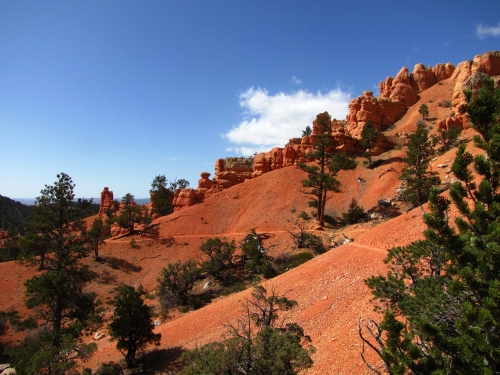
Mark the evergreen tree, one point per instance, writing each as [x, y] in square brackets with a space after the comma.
[424, 111]
[416, 176]
[441, 297]
[132, 324]
[369, 136]
[355, 213]
[177, 282]
[220, 257]
[132, 214]
[94, 237]
[322, 176]
[161, 196]
[57, 295]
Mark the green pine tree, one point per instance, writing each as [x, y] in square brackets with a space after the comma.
[369, 136]
[441, 297]
[132, 325]
[57, 295]
[321, 177]
[416, 175]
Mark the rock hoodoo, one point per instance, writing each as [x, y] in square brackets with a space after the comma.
[106, 201]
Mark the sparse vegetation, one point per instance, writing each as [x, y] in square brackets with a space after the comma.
[445, 104]
[258, 343]
[306, 240]
[446, 138]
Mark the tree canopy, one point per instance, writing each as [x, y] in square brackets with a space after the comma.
[441, 297]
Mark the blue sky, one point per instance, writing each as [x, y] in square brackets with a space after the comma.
[114, 93]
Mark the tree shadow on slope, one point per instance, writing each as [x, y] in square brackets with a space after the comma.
[121, 264]
[107, 278]
[160, 361]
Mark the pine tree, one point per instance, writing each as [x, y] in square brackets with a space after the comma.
[57, 295]
[416, 175]
[441, 296]
[161, 196]
[94, 236]
[424, 111]
[132, 324]
[322, 176]
[369, 136]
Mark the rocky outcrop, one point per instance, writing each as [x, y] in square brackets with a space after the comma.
[468, 74]
[106, 201]
[396, 95]
[183, 198]
[116, 230]
[233, 171]
[447, 123]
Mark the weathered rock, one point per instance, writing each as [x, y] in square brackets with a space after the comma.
[232, 171]
[106, 201]
[402, 90]
[423, 77]
[116, 230]
[205, 182]
[488, 63]
[183, 198]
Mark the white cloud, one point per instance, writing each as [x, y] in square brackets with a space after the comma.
[483, 31]
[271, 120]
[296, 80]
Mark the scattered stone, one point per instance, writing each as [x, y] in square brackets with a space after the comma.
[444, 165]
[98, 335]
[157, 322]
[207, 285]
[374, 216]
[384, 202]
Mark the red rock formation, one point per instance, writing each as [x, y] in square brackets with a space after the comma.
[423, 77]
[232, 171]
[487, 63]
[106, 201]
[183, 198]
[116, 230]
[402, 89]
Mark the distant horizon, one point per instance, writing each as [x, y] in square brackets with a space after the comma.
[31, 201]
